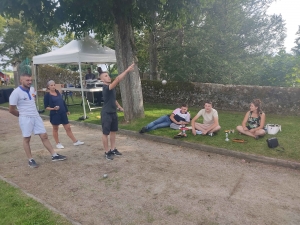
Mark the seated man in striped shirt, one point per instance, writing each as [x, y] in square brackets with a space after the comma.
[179, 116]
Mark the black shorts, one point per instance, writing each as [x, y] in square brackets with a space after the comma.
[109, 122]
[59, 118]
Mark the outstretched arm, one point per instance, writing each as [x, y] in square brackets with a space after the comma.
[121, 76]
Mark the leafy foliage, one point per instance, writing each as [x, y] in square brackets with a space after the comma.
[84, 16]
[222, 45]
[276, 70]
[213, 41]
[25, 66]
[59, 75]
[2, 26]
[296, 49]
[21, 41]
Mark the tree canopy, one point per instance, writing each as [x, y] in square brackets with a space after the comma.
[2, 25]
[217, 41]
[224, 44]
[21, 41]
[119, 17]
[296, 49]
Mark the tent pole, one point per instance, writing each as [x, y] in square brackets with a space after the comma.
[82, 94]
[35, 87]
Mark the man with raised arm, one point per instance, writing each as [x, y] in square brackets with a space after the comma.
[109, 117]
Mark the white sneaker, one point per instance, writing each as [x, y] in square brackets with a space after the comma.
[78, 143]
[60, 146]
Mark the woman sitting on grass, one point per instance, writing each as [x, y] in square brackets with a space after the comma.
[254, 121]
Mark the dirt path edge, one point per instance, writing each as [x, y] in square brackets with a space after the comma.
[210, 149]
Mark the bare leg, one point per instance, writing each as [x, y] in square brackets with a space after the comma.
[204, 128]
[260, 132]
[246, 132]
[69, 132]
[46, 143]
[112, 140]
[26, 146]
[105, 142]
[215, 129]
[201, 127]
[55, 133]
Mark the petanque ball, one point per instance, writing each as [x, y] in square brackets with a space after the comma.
[164, 82]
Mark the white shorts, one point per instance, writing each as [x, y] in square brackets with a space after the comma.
[31, 125]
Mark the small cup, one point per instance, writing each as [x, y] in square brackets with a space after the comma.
[198, 132]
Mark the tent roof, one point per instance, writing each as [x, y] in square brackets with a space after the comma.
[86, 50]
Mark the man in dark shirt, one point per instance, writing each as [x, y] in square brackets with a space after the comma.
[89, 75]
[109, 118]
[89, 95]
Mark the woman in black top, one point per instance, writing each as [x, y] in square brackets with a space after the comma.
[254, 121]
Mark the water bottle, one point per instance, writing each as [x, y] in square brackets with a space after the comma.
[226, 139]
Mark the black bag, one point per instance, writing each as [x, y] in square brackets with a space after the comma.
[273, 143]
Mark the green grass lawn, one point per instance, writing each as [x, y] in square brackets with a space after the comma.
[228, 120]
[17, 208]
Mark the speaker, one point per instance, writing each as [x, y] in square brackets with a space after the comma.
[1, 97]
[6, 94]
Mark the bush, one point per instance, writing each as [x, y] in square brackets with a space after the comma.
[59, 75]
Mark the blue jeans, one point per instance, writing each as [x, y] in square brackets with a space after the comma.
[161, 122]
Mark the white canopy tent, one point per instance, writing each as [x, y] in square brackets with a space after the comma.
[86, 50]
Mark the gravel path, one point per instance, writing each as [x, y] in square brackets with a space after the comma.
[152, 183]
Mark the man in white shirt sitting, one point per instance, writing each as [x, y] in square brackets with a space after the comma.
[210, 123]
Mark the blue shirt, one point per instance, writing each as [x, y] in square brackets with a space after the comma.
[52, 101]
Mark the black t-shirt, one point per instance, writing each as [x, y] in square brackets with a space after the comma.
[90, 76]
[109, 98]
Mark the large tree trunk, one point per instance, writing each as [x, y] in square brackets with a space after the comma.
[131, 88]
[16, 70]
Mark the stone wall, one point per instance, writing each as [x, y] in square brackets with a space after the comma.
[276, 100]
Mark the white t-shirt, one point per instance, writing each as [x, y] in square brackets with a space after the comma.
[178, 116]
[208, 118]
[25, 101]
